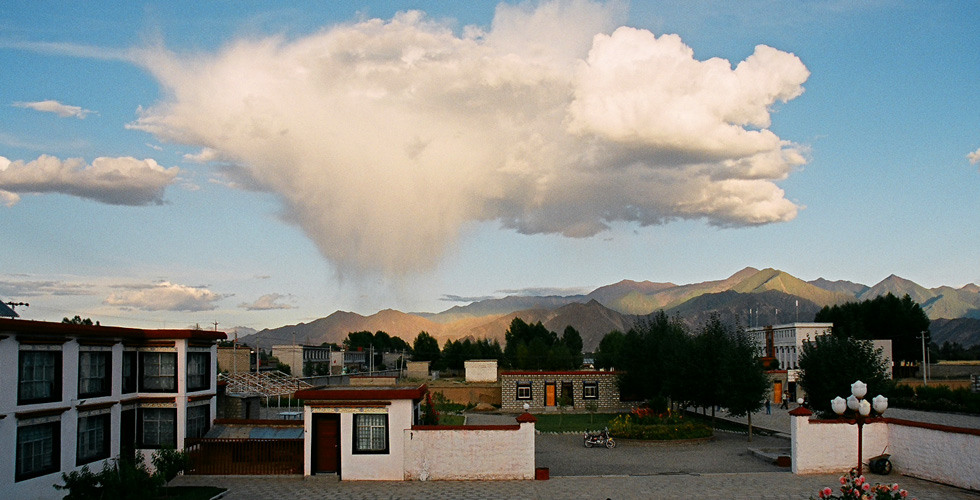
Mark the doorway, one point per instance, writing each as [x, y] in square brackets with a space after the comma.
[326, 443]
[549, 394]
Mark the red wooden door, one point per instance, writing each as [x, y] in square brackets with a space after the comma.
[326, 442]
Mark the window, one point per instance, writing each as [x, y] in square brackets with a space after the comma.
[523, 390]
[590, 390]
[129, 372]
[93, 439]
[94, 369]
[38, 450]
[158, 371]
[371, 433]
[157, 427]
[39, 375]
[198, 420]
[198, 371]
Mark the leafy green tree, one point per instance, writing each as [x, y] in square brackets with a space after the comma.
[77, 320]
[425, 348]
[747, 382]
[830, 364]
[572, 340]
[607, 354]
[883, 317]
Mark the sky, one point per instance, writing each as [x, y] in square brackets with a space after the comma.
[258, 164]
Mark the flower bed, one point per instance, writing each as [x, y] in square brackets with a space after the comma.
[646, 424]
[854, 487]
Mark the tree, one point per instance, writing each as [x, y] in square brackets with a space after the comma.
[572, 340]
[77, 320]
[425, 348]
[747, 382]
[884, 317]
[830, 364]
[610, 347]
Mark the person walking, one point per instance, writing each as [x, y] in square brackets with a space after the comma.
[768, 407]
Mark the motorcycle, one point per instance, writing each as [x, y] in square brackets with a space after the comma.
[599, 438]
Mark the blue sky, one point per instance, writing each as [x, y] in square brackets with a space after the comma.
[167, 164]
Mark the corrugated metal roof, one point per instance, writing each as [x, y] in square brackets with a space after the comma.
[254, 432]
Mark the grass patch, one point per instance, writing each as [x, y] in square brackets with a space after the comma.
[577, 422]
[726, 425]
[190, 492]
[451, 419]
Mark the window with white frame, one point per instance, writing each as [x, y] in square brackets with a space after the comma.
[158, 371]
[523, 390]
[38, 450]
[157, 427]
[198, 371]
[39, 377]
[93, 438]
[198, 420]
[590, 390]
[370, 433]
[94, 369]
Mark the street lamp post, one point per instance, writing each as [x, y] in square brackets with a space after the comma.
[861, 409]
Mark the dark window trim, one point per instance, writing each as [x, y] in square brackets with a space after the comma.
[106, 381]
[130, 383]
[140, 444]
[357, 451]
[530, 391]
[590, 384]
[207, 372]
[55, 384]
[142, 372]
[106, 440]
[55, 453]
[207, 420]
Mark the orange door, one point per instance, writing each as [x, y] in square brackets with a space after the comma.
[549, 394]
[777, 392]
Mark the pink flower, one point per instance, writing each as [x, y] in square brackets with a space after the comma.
[826, 492]
[865, 486]
[843, 480]
[903, 493]
[895, 487]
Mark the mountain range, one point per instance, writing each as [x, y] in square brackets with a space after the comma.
[750, 297]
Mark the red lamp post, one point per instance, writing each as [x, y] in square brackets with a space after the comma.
[862, 411]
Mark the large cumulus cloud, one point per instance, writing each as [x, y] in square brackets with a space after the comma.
[382, 138]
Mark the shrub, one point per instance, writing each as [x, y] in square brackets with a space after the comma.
[644, 423]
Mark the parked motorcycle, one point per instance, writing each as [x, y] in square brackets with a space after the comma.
[599, 438]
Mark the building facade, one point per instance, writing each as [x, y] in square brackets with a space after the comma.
[542, 391]
[80, 394]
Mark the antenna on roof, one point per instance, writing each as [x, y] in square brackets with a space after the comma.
[10, 311]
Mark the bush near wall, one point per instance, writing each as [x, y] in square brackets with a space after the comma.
[935, 398]
[645, 424]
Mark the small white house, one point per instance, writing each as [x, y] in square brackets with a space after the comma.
[373, 433]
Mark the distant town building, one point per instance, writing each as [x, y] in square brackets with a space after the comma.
[543, 390]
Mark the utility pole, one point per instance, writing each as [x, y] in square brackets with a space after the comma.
[215, 326]
[922, 336]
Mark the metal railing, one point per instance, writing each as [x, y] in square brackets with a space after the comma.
[244, 456]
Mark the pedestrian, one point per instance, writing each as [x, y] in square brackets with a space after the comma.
[768, 408]
[785, 404]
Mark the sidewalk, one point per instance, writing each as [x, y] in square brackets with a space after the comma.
[725, 486]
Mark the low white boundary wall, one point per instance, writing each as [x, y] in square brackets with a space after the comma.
[475, 452]
[938, 453]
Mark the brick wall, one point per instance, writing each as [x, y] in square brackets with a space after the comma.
[608, 391]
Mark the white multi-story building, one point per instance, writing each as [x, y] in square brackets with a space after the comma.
[79, 394]
[785, 342]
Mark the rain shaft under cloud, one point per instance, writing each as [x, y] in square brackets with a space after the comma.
[383, 138]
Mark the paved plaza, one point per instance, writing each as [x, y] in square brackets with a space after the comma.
[718, 469]
[723, 467]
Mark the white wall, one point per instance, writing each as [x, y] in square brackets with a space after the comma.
[386, 467]
[942, 454]
[481, 370]
[455, 454]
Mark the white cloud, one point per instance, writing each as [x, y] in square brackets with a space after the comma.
[974, 157]
[62, 110]
[266, 302]
[116, 181]
[383, 138]
[203, 156]
[165, 296]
